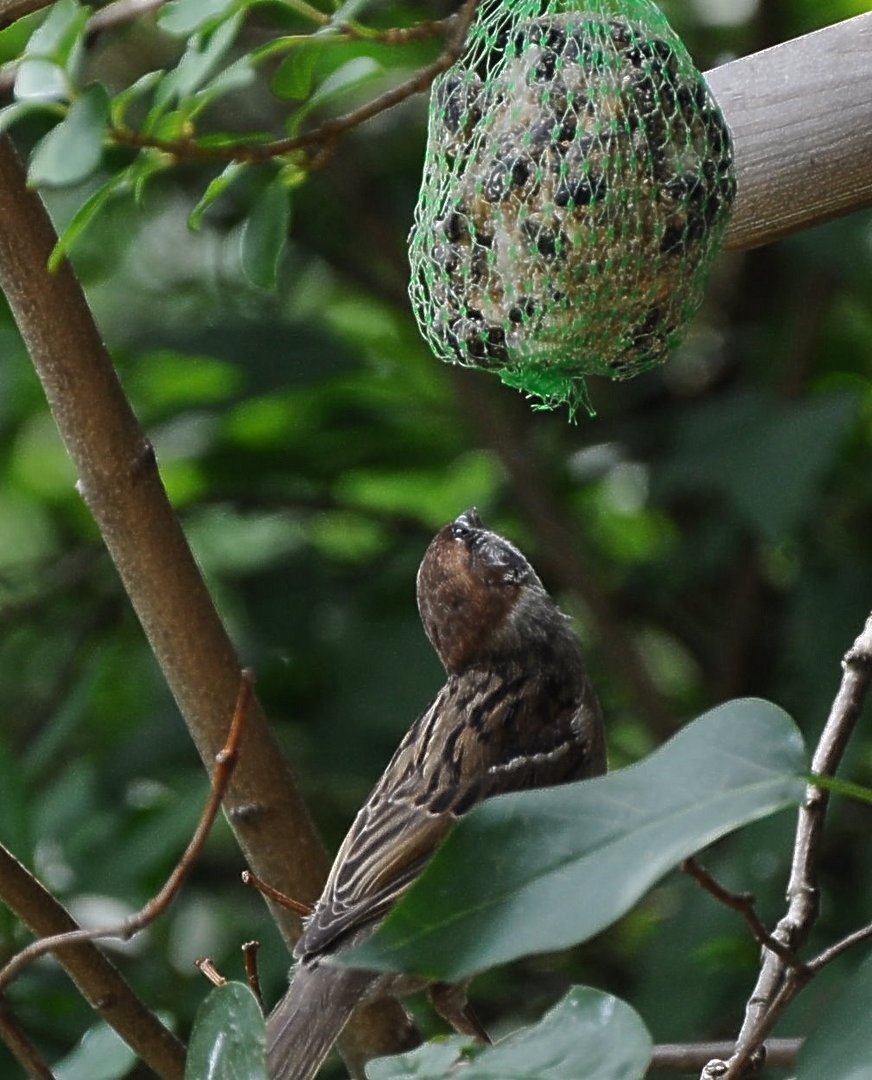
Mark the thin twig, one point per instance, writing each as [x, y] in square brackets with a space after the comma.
[743, 903]
[225, 762]
[327, 133]
[691, 1057]
[777, 984]
[252, 975]
[834, 951]
[207, 968]
[297, 906]
[21, 1047]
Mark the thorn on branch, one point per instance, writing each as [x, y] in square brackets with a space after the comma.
[207, 968]
[297, 906]
[252, 975]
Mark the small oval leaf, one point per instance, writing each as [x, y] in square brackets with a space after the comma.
[72, 150]
[265, 235]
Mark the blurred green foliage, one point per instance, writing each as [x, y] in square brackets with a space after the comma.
[712, 525]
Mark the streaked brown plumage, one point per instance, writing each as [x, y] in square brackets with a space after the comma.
[516, 712]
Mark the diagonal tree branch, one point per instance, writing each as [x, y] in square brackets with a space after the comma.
[119, 481]
[97, 978]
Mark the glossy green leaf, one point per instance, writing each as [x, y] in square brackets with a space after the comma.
[122, 102]
[11, 114]
[265, 235]
[201, 58]
[293, 77]
[841, 1047]
[589, 1034]
[183, 17]
[542, 870]
[229, 1037]
[14, 37]
[215, 189]
[84, 216]
[101, 1055]
[343, 80]
[51, 52]
[72, 150]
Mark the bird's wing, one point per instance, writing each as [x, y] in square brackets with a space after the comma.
[478, 738]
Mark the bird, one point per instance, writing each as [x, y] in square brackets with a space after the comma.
[517, 711]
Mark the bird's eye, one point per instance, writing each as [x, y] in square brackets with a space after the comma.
[460, 530]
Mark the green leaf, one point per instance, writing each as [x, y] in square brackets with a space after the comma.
[229, 1037]
[203, 54]
[85, 215]
[52, 51]
[72, 150]
[542, 870]
[216, 188]
[344, 79]
[11, 114]
[101, 1055]
[293, 77]
[841, 1047]
[14, 37]
[589, 1034]
[183, 17]
[265, 235]
[122, 102]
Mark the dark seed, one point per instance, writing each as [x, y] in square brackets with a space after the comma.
[454, 226]
[496, 186]
[544, 70]
[520, 173]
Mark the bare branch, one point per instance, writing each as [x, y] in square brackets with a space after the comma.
[828, 955]
[777, 984]
[691, 1057]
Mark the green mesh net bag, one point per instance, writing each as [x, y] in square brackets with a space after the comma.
[577, 184]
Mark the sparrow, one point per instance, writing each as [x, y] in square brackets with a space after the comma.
[517, 711]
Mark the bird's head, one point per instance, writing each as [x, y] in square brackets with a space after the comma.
[478, 595]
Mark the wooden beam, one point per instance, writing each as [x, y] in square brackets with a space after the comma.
[801, 117]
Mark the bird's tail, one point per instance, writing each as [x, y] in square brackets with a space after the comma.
[309, 1019]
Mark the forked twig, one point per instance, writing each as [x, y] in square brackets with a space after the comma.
[778, 982]
[743, 903]
[225, 761]
[297, 906]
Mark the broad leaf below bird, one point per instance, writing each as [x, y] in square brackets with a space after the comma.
[543, 870]
[588, 1034]
[229, 1037]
